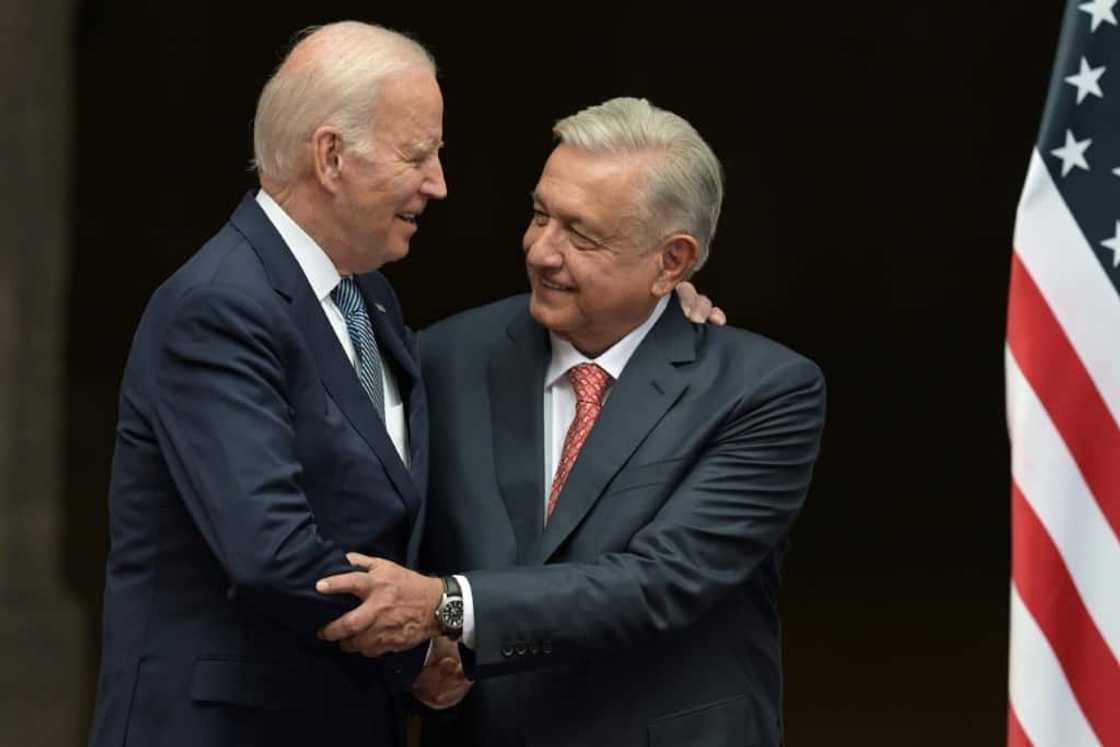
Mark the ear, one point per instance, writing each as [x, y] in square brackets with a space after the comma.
[326, 157]
[675, 259]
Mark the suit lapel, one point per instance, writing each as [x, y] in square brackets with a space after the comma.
[516, 381]
[650, 384]
[393, 350]
[417, 410]
[335, 371]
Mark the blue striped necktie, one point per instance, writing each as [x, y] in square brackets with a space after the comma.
[349, 301]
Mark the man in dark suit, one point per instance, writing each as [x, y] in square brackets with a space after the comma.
[271, 419]
[614, 485]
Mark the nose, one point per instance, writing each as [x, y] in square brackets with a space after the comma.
[542, 245]
[434, 185]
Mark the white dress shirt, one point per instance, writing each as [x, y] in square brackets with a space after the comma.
[560, 409]
[323, 277]
[560, 397]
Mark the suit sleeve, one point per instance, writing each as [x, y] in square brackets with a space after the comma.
[719, 524]
[226, 430]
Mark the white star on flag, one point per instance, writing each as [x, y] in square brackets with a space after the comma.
[1100, 10]
[1114, 245]
[1072, 153]
[1087, 81]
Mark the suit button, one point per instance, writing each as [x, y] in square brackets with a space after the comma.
[522, 648]
[507, 650]
[534, 647]
[546, 646]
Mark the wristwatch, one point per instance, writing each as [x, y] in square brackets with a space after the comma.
[449, 611]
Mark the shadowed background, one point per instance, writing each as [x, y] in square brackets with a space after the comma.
[874, 154]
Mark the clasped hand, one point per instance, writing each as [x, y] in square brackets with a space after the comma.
[396, 612]
[442, 683]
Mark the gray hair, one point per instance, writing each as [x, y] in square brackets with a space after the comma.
[330, 77]
[684, 185]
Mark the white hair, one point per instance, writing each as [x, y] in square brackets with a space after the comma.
[330, 78]
[684, 183]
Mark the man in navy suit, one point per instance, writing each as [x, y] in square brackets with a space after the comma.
[614, 486]
[272, 418]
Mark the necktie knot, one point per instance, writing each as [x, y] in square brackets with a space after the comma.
[589, 382]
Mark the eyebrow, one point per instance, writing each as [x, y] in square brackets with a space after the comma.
[577, 226]
[424, 147]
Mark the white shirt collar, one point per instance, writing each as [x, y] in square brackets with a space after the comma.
[314, 262]
[612, 360]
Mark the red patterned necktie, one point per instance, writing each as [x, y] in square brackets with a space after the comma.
[590, 383]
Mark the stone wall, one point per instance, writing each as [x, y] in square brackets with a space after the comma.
[43, 669]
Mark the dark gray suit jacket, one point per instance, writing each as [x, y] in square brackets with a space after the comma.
[645, 613]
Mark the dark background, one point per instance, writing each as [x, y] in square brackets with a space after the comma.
[874, 154]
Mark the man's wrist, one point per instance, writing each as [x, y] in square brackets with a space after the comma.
[448, 614]
[435, 586]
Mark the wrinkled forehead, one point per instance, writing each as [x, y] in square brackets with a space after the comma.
[410, 109]
[604, 173]
[604, 189]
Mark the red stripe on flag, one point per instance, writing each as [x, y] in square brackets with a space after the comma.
[1057, 375]
[1016, 737]
[1046, 588]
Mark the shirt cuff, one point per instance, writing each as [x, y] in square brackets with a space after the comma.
[468, 612]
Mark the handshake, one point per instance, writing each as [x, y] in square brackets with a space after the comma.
[396, 613]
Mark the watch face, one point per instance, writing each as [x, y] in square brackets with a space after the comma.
[452, 614]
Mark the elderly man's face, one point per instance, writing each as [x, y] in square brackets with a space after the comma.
[590, 264]
[388, 188]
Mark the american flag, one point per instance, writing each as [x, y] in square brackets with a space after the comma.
[1063, 399]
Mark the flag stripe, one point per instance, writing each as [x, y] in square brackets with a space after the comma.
[1042, 467]
[1056, 255]
[1056, 373]
[1047, 590]
[1063, 406]
[1016, 737]
[1040, 695]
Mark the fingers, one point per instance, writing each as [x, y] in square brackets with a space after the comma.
[396, 609]
[364, 561]
[370, 642]
[700, 310]
[697, 307]
[355, 582]
[441, 684]
[353, 623]
[686, 293]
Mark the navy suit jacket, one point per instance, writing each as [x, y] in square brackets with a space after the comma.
[645, 612]
[248, 460]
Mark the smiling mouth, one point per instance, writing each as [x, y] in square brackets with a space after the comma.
[408, 217]
[550, 285]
